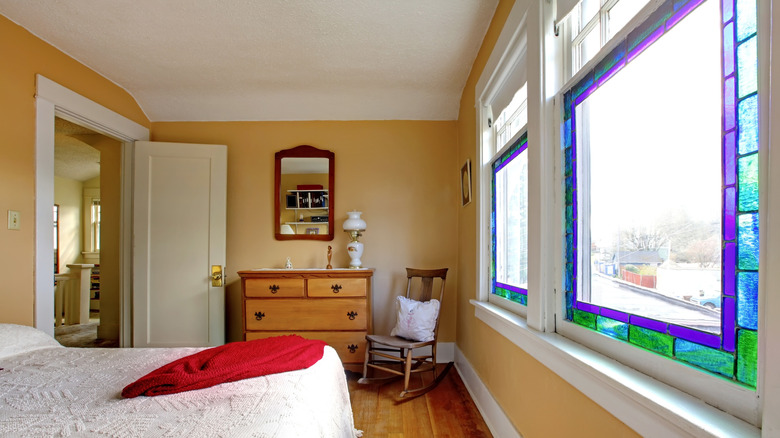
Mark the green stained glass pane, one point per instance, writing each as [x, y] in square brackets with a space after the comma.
[569, 190]
[747, 115]
[710, 359]
[748, 183]
[747, 67]
[613, 328]
[747, 357]
[651, 340]
[747, 22]
[585, 319]
[747, 241]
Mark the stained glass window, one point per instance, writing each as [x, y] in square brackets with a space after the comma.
[729, 350]
[509, 223]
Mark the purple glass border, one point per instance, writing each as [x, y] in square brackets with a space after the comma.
[728, 318]
[614, 314]
[693, 335]
[682, 12]
[729, 268]
[516, 289]
[651, 324]
[639, 48]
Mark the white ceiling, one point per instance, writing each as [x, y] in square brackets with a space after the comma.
[73, 158]
[209, 60]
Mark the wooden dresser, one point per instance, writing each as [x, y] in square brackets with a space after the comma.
[333, 305]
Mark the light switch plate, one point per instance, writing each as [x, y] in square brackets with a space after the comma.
[13, 220]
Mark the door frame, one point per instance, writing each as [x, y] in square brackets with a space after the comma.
[52, 99]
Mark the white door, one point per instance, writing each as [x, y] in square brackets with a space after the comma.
[179, 197]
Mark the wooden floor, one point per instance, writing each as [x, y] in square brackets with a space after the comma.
[83, 335]
[446, 411]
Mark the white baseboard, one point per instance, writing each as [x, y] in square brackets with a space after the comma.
[494, 416]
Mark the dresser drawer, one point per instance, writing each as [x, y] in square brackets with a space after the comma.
[351, 346]
[300, 314]
[337, 287]
[274, 288]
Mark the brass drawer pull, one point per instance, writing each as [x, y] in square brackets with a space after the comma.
[259, 316]
[274, 288]
[352, 348]
[336, 288]
[352, 315]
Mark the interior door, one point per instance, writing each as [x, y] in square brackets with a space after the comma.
[179, 197]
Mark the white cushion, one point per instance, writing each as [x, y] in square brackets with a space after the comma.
[15, 339]
[416, 319]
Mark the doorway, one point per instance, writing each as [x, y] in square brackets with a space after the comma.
[86, 190]
[53, 100]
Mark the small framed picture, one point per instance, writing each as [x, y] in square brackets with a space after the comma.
[291, 201]
[465, 183]
[313, 230]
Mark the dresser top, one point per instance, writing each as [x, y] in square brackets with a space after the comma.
[314, 272]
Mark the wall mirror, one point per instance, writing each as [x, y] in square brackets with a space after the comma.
[303, 194]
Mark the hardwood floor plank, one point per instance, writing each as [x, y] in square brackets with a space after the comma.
[446, 411]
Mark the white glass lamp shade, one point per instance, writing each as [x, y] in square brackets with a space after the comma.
[286, 229]
[354, 222]
[354, 225]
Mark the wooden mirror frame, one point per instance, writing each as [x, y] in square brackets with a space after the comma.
[303, 151]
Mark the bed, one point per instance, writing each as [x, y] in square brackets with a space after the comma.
[50, 390]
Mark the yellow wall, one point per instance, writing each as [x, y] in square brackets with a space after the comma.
[110, 237]
[537, 401]
[68, 194]
[403, 176]
[24, 56]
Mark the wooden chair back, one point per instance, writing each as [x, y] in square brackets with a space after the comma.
[422, 282]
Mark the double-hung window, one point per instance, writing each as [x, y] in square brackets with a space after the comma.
[503, 173]
[660, 174]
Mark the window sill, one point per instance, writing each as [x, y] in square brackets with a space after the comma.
[644, 404]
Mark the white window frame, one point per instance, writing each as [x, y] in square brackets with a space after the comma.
[641, 402]
[512, 57]
[91, 245]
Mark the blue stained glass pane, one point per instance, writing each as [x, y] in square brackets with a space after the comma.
[747, 67]
[569, 161]
[568, 276]
[708, 358]
[746, 19]
[747, 300]
[567, 134]
[747, 240]
[748, 183]
[613, 328]
[747, 113]
[728, 50]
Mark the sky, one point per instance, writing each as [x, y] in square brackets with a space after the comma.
[641, 168]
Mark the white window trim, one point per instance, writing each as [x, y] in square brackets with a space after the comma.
[500, 65]
[643, 403]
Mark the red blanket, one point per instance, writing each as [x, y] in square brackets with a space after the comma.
[228, 363]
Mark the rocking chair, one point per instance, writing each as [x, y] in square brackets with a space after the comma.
[394, 354]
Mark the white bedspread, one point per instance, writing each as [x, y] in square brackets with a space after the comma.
[55, 391]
